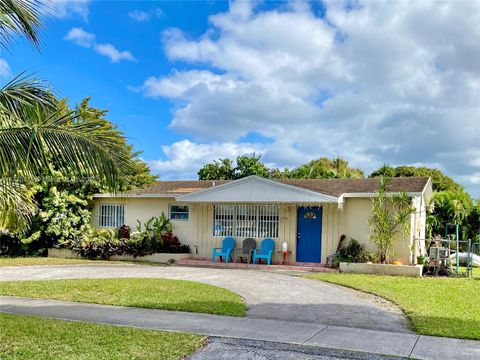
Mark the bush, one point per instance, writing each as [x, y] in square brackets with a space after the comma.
[153, 239]
[124, 232]
[10, 245]
[62, 220]
[139, 244]
[353, 252]
[98, 244]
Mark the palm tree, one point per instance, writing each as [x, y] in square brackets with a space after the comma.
[36, 139]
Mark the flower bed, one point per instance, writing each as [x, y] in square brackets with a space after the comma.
[157, 257]
[382, 269]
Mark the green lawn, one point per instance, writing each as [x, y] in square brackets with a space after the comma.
[27, 261]
[32, 261]
[436, 306]
[28, 337]
[164, 294]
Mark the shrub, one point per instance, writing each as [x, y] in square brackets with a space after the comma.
[153, 237]
[171, 244]
[63, 218]
[139, 244]
[353, 252]
[390, 216]
[124, 232]
[98, 244]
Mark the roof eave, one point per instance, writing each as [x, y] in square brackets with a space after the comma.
[125, 195]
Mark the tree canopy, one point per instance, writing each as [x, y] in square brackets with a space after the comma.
[224, 169]
[440, 181]
[323, 168]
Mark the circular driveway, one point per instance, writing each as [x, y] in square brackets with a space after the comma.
[268, 295]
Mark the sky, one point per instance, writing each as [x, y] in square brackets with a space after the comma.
[188, 82]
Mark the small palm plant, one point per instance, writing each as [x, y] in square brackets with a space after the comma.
[390, 215]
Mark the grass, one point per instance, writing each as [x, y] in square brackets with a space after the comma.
[28, 261]
[179, 295]
[436, 306]
[34, 261]
[28, 337]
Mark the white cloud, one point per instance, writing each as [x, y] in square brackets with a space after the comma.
[113, 53]
[185, 158]
[88, 40]
[141, 15]
[81, 37]
[68, 8]
[4, 68]
[379, 81]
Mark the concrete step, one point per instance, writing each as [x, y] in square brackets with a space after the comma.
[303, 267]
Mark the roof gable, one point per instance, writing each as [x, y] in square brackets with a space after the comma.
[254, 189]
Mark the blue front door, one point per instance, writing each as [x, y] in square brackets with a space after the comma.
[309, 234]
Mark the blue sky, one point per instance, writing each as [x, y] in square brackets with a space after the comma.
[77, 72]
[189, 82]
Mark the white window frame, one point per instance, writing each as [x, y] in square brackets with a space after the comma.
[111, 215]
[246, 220]
[178, 212]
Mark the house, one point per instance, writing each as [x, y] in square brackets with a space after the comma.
[309, 215]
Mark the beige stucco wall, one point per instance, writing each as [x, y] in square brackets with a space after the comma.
[352, 221]
[144, 208]
[355, 215]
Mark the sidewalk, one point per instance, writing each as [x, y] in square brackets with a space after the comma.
[377, 342]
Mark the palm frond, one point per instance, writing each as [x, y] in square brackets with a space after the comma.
[76, 149]
[20, 17]
[23, 93]
[16, 207]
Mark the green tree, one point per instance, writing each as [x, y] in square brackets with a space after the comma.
[325, 168]
[390, 216]
[322, 168]
[33, 134]
[473, 223]
[62, 219]
[440, 181]
[250, 165]
[449, 207]
[221, 169]
[139, 175]
[58, 196]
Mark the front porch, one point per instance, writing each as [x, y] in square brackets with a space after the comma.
[298, 266]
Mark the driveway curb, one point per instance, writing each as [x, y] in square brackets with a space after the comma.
[279, 331]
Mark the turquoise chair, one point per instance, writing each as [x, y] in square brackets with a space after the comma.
[266, 251]
[228, 244]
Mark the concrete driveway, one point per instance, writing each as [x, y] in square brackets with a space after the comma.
[268, 295]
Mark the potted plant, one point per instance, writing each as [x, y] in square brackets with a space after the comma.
[421, 260]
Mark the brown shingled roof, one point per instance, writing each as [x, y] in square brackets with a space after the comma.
[334, 187]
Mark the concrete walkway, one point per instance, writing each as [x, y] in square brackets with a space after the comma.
[267, 295]
[300, 333]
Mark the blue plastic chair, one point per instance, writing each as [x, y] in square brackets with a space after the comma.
[266, 250]
[228, 244]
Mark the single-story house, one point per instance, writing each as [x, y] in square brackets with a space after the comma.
[309, 215]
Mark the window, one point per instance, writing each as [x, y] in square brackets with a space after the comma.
[179, 212]
[111, 215]
[246, 220]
